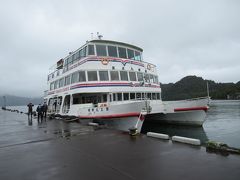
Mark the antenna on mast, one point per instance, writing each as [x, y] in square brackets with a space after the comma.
[99, 36]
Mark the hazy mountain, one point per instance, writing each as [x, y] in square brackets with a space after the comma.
[193, 86]
[18, 101]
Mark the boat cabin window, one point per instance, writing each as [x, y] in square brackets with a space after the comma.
[52, 86]
[137, 56]
[149, 95]
[119, 96]
[103, 76]
[138, 95]
[132, 76]
[147, 79]
[140, 76]
[101, 50]
[114, 97]
[61, 82]
[82, 52]
[67, 80]
[122, 52]
[125, 96]
[132, 95]
[151, 78]
[92, 75]
[75, 77]
[154, 97]
[112, 51]
[130, 54]
[158, 96]
[56, 84]
[82, 98]
[91, 50]
[124, 75]
[155, 80]
[114, 75]
[82, 76]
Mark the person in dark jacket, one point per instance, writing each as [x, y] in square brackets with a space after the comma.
[40, 112]
[30, 107]
[45, 108]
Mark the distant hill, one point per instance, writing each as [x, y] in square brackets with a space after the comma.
[193, 86]
[18, 101]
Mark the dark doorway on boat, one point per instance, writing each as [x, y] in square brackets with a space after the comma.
[66, 104]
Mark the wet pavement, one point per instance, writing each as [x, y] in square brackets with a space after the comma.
[55, 149]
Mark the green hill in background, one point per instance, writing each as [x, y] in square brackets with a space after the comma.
[193, 86]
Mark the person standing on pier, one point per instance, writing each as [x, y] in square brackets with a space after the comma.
[30, 105]
[45, 108]
[39, 112]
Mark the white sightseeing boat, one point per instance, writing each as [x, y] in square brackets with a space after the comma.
[108, 81]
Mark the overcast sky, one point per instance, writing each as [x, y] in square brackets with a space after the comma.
[182, 37]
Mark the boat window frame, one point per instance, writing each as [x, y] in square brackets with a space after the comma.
[85, 77]
[99, 45]
[100, 75]
[126, 75]
[130, 76]
[117, 74]
[94, 75]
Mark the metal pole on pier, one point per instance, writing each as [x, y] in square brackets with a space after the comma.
[208, 93]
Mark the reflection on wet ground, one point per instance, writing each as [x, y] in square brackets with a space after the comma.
[17, 128]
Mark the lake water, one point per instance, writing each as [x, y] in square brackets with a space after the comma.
[222, 124]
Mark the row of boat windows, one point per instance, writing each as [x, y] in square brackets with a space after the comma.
[119, 96]
[104, 75]
[104, 50]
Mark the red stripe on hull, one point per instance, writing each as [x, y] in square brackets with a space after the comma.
[203, 108]
[132, 114]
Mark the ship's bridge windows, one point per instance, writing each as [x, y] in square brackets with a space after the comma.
[92, 76]
[75, 77]
[114, 75]
[130, 54]
[82, 76]
[112, 51]
[101, 50]
[122, 52]
[132, 76]
[138, 56]
[67, 80]
[103, 76]
[61, 82]
[124, 75]
[91, 50]
[82, 52]
[140, 76]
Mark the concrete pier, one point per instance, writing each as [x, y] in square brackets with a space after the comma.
[58, 150]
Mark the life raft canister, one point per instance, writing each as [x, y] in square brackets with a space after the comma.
[105, 61]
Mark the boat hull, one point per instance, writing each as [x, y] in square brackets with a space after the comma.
[192, 118]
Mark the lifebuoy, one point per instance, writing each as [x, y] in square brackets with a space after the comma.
[105, 61]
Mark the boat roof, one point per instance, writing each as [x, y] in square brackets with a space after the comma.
[116, 42]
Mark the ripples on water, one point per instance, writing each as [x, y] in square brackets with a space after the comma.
[222, 125]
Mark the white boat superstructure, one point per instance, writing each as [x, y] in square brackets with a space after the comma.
[107, 81]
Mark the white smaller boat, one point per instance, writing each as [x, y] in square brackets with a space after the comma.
[184, 112]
